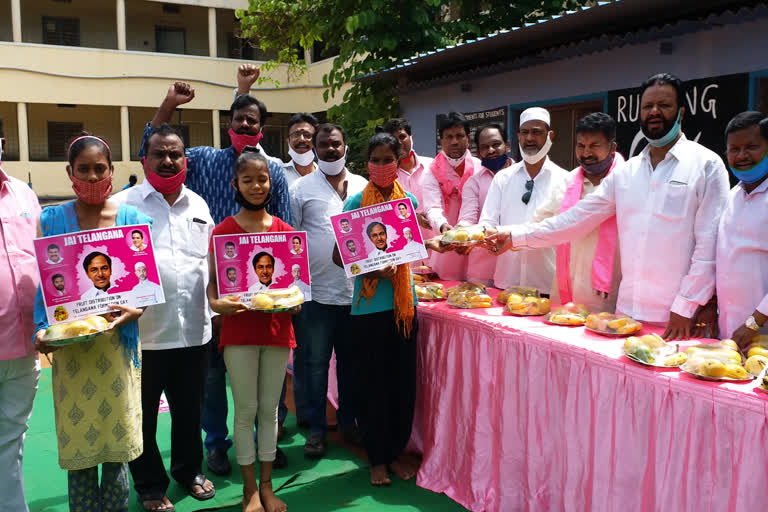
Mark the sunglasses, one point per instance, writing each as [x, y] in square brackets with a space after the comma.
[529, 190]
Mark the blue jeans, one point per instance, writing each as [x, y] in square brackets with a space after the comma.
[215, 406]
[325, 328]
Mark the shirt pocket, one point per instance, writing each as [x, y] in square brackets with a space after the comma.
[199, 235]
[21, 231]
[672, 200]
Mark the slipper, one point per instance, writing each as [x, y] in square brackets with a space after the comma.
[154, 497]
[200, 496]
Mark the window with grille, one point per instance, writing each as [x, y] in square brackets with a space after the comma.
[61, 31]
[170, 40]
[59, 135]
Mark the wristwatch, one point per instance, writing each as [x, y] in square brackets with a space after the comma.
[752, 324]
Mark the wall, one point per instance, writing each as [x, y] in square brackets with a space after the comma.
[49, 179]
[10, 130]
[719, 51]
[101, 121]
[6, 28]
[98, 20]
[141, 17]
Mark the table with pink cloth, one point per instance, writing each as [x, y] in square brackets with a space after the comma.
[514, 414]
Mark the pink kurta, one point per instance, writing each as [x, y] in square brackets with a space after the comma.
[449, 265]
[481, 264]
[413, 182]
[19, 212]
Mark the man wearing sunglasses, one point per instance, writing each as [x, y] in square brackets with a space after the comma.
[515, 194]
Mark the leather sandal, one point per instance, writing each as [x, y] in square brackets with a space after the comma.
[200, 496]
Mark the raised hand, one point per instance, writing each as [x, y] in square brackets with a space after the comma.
[229, 305]
[180, 93]
[247, 74]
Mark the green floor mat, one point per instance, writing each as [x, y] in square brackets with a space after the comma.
[338, 482]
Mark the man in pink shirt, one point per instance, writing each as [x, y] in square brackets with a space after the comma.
[410, 173]
[493, 149]
[443, 189]
[19, 365]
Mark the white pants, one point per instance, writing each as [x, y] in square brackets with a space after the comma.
[256, 376]
[18, 385]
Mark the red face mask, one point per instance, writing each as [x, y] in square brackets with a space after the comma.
[382, 175]
[240, 141]
[92, 193]
[165, 185]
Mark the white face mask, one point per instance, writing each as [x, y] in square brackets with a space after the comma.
[536, 157]
[302, 159]
[454, 162]
[333, 168]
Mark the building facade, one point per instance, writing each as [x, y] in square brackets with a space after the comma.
[104, 66]
[594, 59]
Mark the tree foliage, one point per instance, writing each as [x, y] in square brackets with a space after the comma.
[372, 35]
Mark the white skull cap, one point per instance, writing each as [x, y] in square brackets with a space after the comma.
[535, 114]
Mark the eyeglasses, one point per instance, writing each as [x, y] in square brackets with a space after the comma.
[300, 134]
[529, 190]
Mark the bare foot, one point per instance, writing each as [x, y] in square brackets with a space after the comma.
[157, 505]
[252, 501]
[271, 502]
[379, 475]
[403, 470]
[207, 487]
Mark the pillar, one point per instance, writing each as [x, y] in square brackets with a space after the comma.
[212, 52]
[16, 20]
[121, 39]
[216, 131]
[307, 57]
[125, 134]
[21, 120]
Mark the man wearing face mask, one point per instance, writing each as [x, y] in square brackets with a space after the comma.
[493, 150]
[514, 195]
[443, 189]
[741, 260]
[209, 175]
[174, 334]
[411, 172]
[588, 269]
[323, 321]
[667, 202]
[301, 130]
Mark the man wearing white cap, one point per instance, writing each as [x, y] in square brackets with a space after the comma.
[304, 287]
[667, 201]
[515, 194]
[146, 292]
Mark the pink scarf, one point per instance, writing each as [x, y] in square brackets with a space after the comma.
[602, 265]
[440, 168]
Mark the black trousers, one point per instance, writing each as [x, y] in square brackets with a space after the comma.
[181, 373]
[386, 384]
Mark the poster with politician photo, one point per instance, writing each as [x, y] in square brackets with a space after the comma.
[370, 238]
[82, 273]
[250, 263]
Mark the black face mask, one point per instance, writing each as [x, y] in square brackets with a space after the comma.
[250, 206]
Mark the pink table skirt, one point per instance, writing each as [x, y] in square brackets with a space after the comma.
[513, 414]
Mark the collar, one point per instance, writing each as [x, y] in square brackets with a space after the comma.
[417, 165]
[759, 190]
[520, 167]
[676, 150]
[146, 189]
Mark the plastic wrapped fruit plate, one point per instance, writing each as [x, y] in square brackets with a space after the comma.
[615, 326]
[61, 335]
[277, 301]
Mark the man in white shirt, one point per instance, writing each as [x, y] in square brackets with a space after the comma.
[146, 292]
[352, 248]
[667, 201]
[324, 320]
[264, 266]
[98, 268]
[344, 226]
[443, 189]
[301, 285]
[515, 194]
[58, 284]
[301, 130]
[54, 255]
[588, 270]
[229, 251]
[741, 260]
[412, 246]
[173, 334]
[377, 233]
[493, 149]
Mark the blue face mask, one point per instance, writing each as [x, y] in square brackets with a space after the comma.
[754, 173]
[669, 137]
[494, 164]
